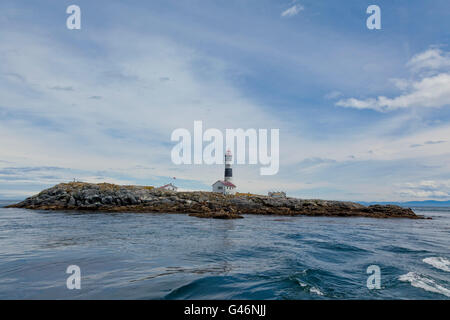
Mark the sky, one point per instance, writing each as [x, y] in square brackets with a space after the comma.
[363, 115]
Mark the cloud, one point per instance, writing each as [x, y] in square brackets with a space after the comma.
[314, 164]
[401, 84]
[435, 142]
[188, 71]
[432, 59]
[333, 95]
[130, 127]
[54, 175]
[60, 88]
[432, 92]
[426, 189]
[292, 11]
[429, 91]
[13, 76]
[429, 142]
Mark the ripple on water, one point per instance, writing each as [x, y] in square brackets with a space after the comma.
[402, 249]
[224, 287]
[157, 256]
[425, 283]
[439, 263]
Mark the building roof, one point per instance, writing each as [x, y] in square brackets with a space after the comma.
[166, 185]
[226, 183]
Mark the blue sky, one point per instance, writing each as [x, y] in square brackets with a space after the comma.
[363, 114]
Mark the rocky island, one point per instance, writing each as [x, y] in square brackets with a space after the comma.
[106, 197]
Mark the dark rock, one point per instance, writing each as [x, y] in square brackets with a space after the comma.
[217, 215]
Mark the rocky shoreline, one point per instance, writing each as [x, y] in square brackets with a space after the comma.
[105, 197]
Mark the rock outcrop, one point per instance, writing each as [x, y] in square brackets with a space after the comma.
[114, 198]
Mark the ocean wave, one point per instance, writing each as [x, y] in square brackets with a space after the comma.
[438, 262]
[316, 291]
[311, 289]
[402, 249]
[425, 283]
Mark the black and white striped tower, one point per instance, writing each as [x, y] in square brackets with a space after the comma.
[228, 170]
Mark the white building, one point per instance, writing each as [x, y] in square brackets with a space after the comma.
[169, 187]
[225, 186]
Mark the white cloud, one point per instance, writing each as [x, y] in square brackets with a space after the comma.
[426, 189]
[292, 11]
[430, 91]
[401, 84]
[432, 59]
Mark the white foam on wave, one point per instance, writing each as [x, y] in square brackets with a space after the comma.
[311, 289]
[316, 291]
[438, 262]
[422, 282]
[301, 283]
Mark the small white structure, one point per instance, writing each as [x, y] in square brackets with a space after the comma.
[277, 194]
[225, 187]
[169, 187]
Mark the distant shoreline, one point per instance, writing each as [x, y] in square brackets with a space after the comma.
[425, 203]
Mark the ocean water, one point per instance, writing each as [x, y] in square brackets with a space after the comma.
[174, 256]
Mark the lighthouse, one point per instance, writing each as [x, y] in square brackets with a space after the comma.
[228, 170]
[225, 186]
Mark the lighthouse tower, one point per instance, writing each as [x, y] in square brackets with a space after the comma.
[225, 186]
[228, 171]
